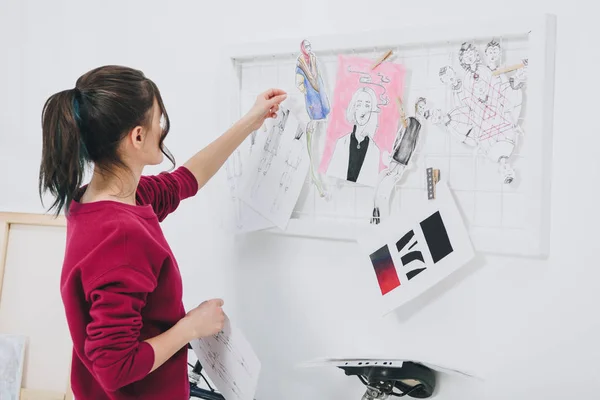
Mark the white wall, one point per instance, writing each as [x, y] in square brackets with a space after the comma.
[529, 327]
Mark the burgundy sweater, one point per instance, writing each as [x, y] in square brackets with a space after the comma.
[120, 285]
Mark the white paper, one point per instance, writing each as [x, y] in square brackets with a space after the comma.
[384, 362]
[244, 218]
[229, 362]
[487, 104]
[412, 251]
[277, 171]
[12, 355]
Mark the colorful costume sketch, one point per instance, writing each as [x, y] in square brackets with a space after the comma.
[399, 159]
[310, 83]
[356, 155]
[487, 106]
[363, 121]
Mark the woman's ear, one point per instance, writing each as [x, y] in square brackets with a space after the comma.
[137, 136]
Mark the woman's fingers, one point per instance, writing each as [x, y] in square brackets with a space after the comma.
[273, 92]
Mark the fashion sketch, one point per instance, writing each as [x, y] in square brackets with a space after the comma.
[363, 120]
[487, 105]
[399, 159]
[310, 83]
[293, 160]
[271, 147]
[356, 156]
[278, 172]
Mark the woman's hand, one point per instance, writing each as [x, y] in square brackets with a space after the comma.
[266, 106]
[205, 320]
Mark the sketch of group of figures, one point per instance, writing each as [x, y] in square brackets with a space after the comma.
[486, 105]
[370, 138]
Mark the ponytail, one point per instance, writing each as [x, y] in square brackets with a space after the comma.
[63, 151]
[86, 125]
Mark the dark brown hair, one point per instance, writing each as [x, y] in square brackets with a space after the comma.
[85, 125]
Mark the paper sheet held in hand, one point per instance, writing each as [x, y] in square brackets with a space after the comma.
[229, 362]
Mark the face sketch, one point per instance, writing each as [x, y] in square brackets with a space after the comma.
[492, 54]
[469, 56]
[420, 109]
[448, 75]
[363, 108]
[308, 47]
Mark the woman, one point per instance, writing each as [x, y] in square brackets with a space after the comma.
[310, 83]
[397, 162]
[356, 157]
[120, 282]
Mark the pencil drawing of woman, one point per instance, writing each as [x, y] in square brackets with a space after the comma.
[399, 160]
[356, 157]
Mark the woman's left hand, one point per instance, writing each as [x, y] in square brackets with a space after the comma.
[266, 106]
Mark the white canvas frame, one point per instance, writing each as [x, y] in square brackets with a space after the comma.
[7, 220]
[541, 30]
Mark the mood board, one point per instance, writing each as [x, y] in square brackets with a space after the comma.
[476, 96]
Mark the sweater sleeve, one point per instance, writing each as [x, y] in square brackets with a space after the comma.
[112, 340]
[166, 190]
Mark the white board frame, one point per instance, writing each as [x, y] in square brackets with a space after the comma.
[541, 30]
[7, 220]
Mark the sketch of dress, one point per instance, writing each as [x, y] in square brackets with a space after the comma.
[310, 83]
[399, 160]
[271, 148]
[486, 108]
[292, 162]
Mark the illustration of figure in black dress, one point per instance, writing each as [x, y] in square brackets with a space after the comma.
[402, 152]
[356, 155]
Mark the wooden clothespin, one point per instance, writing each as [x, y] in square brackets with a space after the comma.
[402, 113]
[510, 68]
[433, 177]
[382, 59]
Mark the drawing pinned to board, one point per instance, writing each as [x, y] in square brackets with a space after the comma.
[487, 105]
[12, 358]
[230, 362]
[399, 160]
[310, 82]
[276, 175]
[363, 120]
[412, 252]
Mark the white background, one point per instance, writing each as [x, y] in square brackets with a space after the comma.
[529, 327]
